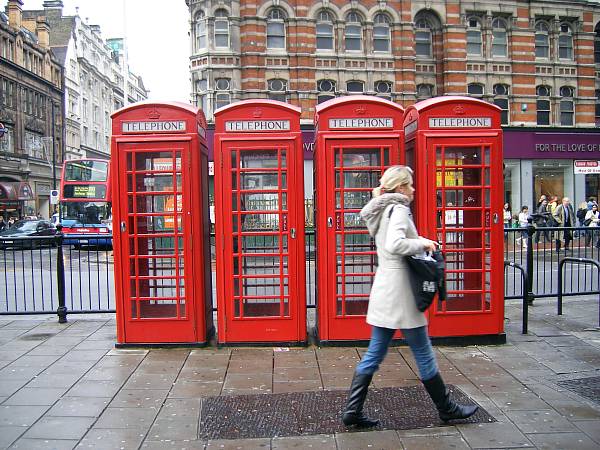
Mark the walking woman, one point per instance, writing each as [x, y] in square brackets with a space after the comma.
[391, 303]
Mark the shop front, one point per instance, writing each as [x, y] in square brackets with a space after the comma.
[16, 198]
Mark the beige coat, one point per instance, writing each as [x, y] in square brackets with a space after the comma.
[391, 303]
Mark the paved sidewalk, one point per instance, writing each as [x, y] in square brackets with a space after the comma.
[65, 386]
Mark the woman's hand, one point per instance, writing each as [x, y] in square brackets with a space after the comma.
[428, 244]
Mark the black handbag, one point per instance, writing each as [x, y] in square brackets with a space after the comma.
[427, 278]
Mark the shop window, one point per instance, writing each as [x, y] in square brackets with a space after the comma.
[597, 114]
[597, 44]
[567, 109]
[499, 38]
[222, 92]
[423, 36]
[200, 30]
[543, 105]
[475, 90]
[549, 177]
[277, 89]
[324, 31]
[565, 42]
[276, 29]
[384, 89]
[381, 33]
[474, 37]
[424, 91]
[326, 90]
[353, 32]
[221, 29]
[542, 40]
[355, 87]
[7, 143]
[501, 92]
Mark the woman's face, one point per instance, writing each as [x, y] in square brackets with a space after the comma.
[506, 206]
[407, 189]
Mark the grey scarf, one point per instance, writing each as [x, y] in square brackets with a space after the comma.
[372, 211]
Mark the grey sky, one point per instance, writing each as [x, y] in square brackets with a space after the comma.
[157, 36]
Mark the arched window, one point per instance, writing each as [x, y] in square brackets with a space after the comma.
[276, 29]
[543, 104]
[542, 40]
[424, 91]
[324, 31]
[355, 87]
[565, 42]
[499, 38]
[200, 30]
[597, 44]
[501, 92]
[221, 29]
[381, 33]
[423, 39]
[353, 32]
[475, 90]
[567, 109]
[277, 89]
[222, 92]
[474, 37]
[384, 89]
[326, 90]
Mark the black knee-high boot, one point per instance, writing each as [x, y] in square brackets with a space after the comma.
[353, 414]
[447, 409]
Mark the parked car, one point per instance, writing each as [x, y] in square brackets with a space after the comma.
[27, 228]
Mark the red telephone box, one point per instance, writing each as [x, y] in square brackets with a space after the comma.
[161, 224]
[259, 206]
[357, 138]
[454, 145]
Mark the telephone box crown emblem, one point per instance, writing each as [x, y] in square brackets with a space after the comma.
[361, 110]
[257, 113]
[154, 114]
[459, 110]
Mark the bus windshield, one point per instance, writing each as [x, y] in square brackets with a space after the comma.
[86, 170]
[85, 213]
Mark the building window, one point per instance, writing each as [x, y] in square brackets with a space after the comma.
[353, 32]
[543, 105]
[200, 30]
[355, 87]
[384, 89]
[221, 29]
[565, 42]
[597, 44]
[326, 90]
[424, 91]
[474, 38]
[423, 39]
[597, 114]
[6, 143]
[381, 33]
[276, 29]
[501, 92]
[499, 38]
[542, 40]
[324, 31]
[475, 90]
[567, 110]
[277, 89]
[222, 94]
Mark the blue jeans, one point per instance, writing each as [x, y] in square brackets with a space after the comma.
[416, 338]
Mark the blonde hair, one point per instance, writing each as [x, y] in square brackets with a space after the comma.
[393, 177]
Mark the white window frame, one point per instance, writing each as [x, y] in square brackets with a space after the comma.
[221, 28]
[475, 94]
[325, 94]
[276, 28]
[499, 38]
[542, 30]
[324, 31]
[543, 99]
[474, 37]
[565, 41]
[201, 31]
[567, 106]
[357, 82]
[425, 91]
[382, 33]
[501, 99]
[353, 31]
[423, 36]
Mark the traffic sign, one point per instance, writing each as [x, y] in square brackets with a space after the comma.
[54, 197]
[2, 129]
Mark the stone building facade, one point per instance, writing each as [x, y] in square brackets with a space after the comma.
[538, 60]
[32, 110]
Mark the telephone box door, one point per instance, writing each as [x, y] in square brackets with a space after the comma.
[464, 199]
[154, 185]
[353, 168]
[263, 227]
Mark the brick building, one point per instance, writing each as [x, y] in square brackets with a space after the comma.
[538, 60]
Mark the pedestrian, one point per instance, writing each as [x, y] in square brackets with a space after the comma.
[2, 224]
[541, 221]
[592, 221]
[523, 215]
[591, 202]
[581, 212]
[565, 218]
[542, 199]
[391, 302]
[507, 216]
[11, 221]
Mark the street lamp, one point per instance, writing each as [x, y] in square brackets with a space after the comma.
[53, 147]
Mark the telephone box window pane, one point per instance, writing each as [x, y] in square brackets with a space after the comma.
[356, 243]
[262, 307]
[353, 306]
[154, 182]
[261, 159]
[159, 161]
[259, 202]
[358, 157]
[260, 222]
[263, 244]
[358, 179]
[262, 180]
[353, 220]
[352, 200]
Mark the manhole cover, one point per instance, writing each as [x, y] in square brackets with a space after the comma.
[36, 337]
[586, 387]
[306, 413]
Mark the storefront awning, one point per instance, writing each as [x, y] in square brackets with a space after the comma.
[15, 191]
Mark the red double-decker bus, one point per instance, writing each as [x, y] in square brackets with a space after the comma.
[85, 201]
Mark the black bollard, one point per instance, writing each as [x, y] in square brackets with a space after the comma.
[60, 277]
